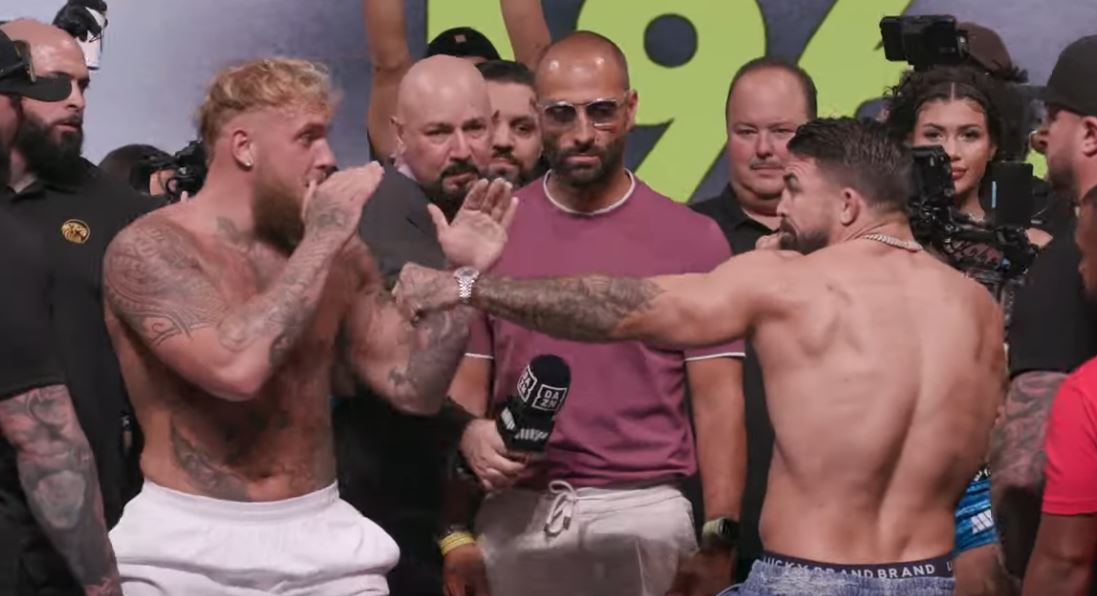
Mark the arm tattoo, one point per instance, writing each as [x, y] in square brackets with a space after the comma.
[594, 308]
[1017, 463]
[57, 473]
[156, 284]
[438, 346]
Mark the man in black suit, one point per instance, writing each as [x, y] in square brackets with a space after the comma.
[392, 465]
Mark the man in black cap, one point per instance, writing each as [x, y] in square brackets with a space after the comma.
[54, 537]
[75, 211]
[1052, 334]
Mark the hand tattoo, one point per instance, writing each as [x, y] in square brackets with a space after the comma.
[594, 308]
[58, 476]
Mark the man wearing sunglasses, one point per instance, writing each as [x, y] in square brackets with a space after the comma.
[615, 520]
[75, 212]
[54, 537]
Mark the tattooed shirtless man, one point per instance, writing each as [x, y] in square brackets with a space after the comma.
[230, 312]
[883, 367]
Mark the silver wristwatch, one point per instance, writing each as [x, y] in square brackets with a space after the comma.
[466, 278]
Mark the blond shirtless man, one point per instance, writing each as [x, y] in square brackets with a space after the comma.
[230, 313]
[882, 366]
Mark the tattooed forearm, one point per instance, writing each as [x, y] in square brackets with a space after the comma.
[1017, 463]
[420, 382]
[594, 308]
[155, 283]
[57, 473]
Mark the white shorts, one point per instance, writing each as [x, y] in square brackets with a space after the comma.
[173, 543]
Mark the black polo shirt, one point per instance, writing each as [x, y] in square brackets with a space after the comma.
[28, 563]
[742, 233]
[1054, 325]
[75, 222]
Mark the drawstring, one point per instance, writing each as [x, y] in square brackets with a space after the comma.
[563, 506]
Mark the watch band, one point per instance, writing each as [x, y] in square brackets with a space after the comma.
[466, 279]
[721, 532]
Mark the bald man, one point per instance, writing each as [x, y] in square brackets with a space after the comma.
[74, 212]
[443, 145]
[603, 514]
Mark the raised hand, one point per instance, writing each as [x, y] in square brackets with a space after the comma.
[478, 233]
[334, 206]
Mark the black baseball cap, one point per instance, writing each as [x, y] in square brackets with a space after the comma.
[462, 42]
[17, 74]
[1073, 82]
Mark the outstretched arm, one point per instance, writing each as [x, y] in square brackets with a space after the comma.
[390, 59]
[57, 472]
[676, 311]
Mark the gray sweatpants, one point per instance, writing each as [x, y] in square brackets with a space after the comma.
[768, 579]
[585, 542]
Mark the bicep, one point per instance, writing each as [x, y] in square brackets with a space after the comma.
[704, 309]
[157, 290]
[471, 385]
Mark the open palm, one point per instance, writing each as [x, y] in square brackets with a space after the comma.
[476, 236]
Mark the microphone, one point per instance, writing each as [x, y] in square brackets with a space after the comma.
[526, 420]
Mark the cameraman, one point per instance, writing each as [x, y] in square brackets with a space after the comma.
[133, 165]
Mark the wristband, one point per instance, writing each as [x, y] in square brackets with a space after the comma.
[455, 540]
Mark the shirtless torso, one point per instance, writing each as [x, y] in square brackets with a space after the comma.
[228, 346]
[883, 368]
[883, 371]
[275, 446]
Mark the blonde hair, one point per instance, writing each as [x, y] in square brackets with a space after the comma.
[278, 83]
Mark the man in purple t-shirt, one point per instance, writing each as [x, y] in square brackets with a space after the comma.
[602, 513]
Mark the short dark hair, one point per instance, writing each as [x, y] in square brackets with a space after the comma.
[807, 84]
[916, 89]
[858, 154]
[506, 71]
[132, 164]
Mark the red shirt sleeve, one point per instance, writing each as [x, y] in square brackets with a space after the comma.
[712, 251]
[479, 343]
[1071, 447]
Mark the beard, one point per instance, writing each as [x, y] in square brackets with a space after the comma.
[49, 159]
[610, 158]
[513, 173]
[277, 211]
[805, 242]
[1061, 176]
[449, 200]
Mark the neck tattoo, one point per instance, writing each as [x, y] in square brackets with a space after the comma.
[894, 242]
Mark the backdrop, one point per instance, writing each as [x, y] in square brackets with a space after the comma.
[159, 54]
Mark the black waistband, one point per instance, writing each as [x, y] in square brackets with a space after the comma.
[935, 567]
